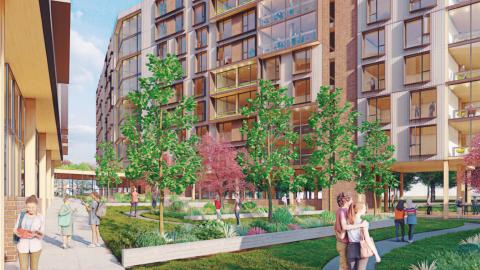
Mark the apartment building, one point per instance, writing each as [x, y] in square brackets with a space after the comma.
[34, 83]
[225, 47]
[419, 75]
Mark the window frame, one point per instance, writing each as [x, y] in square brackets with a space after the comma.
[377, 111]
[204, 14]
[422, 18]
[204, 86]
[421, 7]
[308, 85]
[204, 110]
[199, 37]
[199, 57]
[378, 39]
[376, 12]
[411, 129]
[278, 62]
[308, 55]
[421, 55]
[420, 102]
[379, 80]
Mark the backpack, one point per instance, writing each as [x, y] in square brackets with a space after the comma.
[101, 210]
[15, 237]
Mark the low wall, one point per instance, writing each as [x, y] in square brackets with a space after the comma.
[248, 215]
[148, 255]
[13, 206]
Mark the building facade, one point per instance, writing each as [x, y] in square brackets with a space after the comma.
[34, 84]
[418, 74]
[225, 47]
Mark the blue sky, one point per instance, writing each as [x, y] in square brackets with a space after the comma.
[92, 23]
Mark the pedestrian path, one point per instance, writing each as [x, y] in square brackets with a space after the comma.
[388, 245]
[79, 257]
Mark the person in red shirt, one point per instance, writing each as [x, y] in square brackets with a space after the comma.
[400, 219]
[134, 200]
[218, 207]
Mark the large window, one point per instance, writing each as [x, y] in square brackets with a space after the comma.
[201, 131]
[226, 106]
[379, 109]
[236, 52]
[302, 90]
[378, 10]
[181, 44]
[248, 21]
[274, 11]
[302, 61]
[183, 63]
[128, 74]
[417, 32]
[247, 74]
[224, 29]
[421, 4]
[417, 68]
[226, 79]
[464, 23]
[230, 131]
[300, 117]
[202, 37]
[464, 61]
[249, 48]
[374, 43]
[199, 86]
[237, 77]
[423, 104]
[201, 62]
[199, 14]
[423, 141]
[179, 23]
[129, 36]
[374, 77]
[201, 111]
[271, 69]
[162, 50]
[243, 99]
[178, 93]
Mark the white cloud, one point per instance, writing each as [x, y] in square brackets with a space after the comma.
[77, 15]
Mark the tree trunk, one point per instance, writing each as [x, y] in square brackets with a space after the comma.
[432, 192]
[374, 204]
[162, 201]
[108, 191]
[270, 204]
[330, 199]
[385, 199]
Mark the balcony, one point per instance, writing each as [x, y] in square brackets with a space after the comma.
[416, 5]
[464, 62]
[463, 23]
[455, 2]
[464, 100]
[269, 16]
[241, 75]
[460, 135]
[290, 41]
[223, 6]
[459, 151]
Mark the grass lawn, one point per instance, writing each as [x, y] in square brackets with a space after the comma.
[311, 254]
[422, 250]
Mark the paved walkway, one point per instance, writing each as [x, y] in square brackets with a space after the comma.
[388, 245]
[80, 257]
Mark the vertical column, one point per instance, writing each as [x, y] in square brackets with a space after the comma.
[42, 170]
[460, 181]
[445, 189]
[2, 124]
[30, 148]
[48, 185]
[193, 192]
[401, 185]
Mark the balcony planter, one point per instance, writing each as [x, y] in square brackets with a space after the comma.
[461, 114]
[460, 150]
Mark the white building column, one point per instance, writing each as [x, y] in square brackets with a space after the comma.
[42, 170]
[30, 148]
[445, 189]
[48, 174]
[2, 135]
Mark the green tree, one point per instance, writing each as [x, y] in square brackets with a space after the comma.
[374, 159]
[157, 148]
[333, 128]
[267, 162]
[430, 179]
[107, 167]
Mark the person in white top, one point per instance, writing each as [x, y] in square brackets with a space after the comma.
[29, 228]
[355, 260]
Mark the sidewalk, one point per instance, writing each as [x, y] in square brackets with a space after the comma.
[80, 257]
[388, 245]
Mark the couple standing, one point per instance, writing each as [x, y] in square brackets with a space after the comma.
[354, 244]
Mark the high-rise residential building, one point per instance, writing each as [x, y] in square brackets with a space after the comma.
[34, 78]
[225, 47]
[419, 75]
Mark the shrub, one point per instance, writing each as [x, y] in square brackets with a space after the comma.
[261, 210]
[196, 212]
[259, 223]
[249, 206]
[256, 230]
[276, 227]
[242, 230]
[177, 206]
[228, 230]
[209, 208]
[207, 230]
[423, 266]
[327, 217]
[149, 238]
[308, 208]
[310, 223]
[282, 216]
[468, 248]
[468, 261]
[475, 239]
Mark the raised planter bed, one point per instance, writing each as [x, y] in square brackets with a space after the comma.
[148, 255]
[248, 215]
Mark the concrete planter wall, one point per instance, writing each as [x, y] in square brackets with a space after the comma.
[147, 255]
[248, 215]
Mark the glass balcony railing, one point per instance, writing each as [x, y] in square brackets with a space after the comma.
[223, 6]
[462, 75]
[454, 2]
[465, 113]
[293, 10]
[292, 41]
[459, 151]
[458, 37]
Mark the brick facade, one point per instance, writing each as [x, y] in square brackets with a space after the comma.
[13, 206]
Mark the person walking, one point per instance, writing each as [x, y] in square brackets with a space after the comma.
[29, 230]
[357, 260]
[284, 200]
[133, 200]
[429, 206]
[93, 219]
[459, 205]
[399, 219]
[65, 221]
[218, 207]
[236, 207]
[154, 197]
[344, 200]
[411, 212]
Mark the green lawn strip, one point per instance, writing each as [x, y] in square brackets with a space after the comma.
[311, 254]
[422, 250]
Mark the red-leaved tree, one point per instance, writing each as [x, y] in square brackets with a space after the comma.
[472, 160]
[221, 171]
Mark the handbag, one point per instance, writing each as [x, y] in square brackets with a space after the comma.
[15, 237]
[365, 250]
